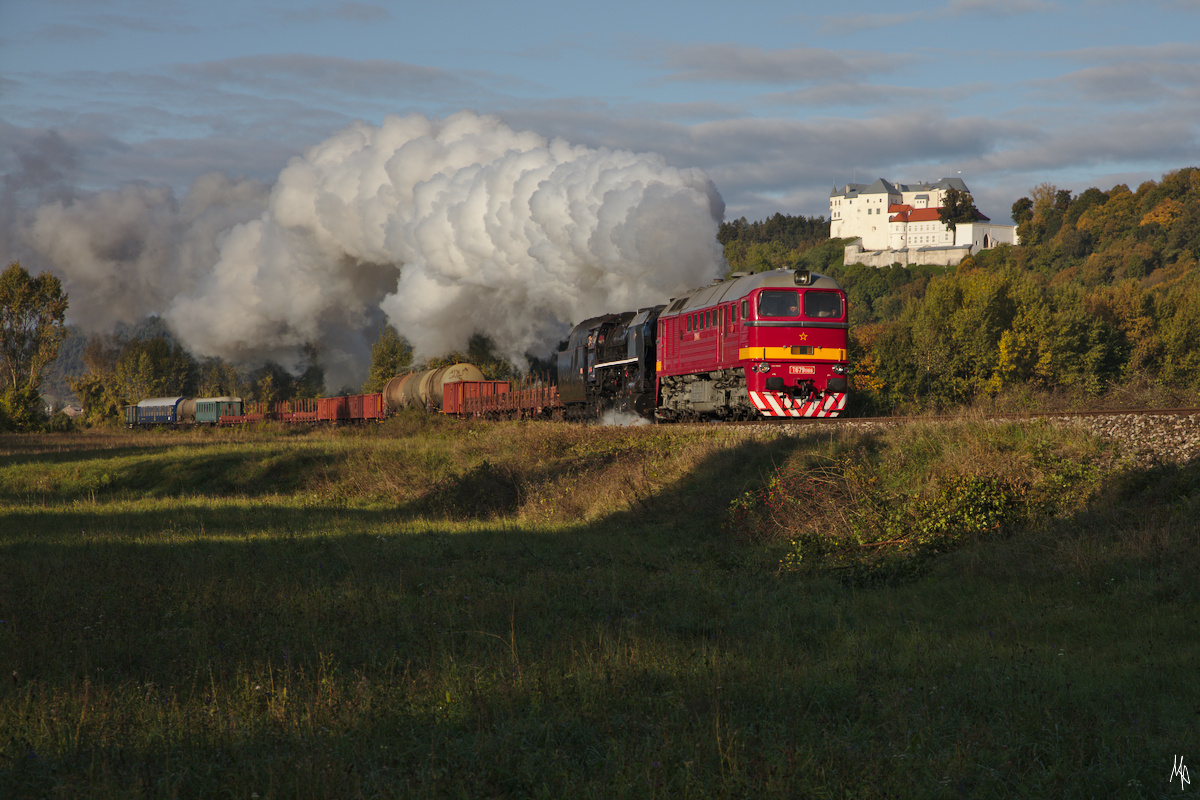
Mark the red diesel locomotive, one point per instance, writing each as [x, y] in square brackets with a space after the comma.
[769, 344]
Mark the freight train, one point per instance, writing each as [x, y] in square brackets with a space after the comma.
[756, 345]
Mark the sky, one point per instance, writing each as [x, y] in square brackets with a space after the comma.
[776, 101]
[169, 127]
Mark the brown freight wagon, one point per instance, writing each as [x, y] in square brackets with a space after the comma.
[296, 411]
[367, 407]
[528, 403]
[456, 395]
[333, 409]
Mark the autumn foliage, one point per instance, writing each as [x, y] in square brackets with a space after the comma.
[1101, 296]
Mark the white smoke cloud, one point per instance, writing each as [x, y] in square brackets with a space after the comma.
[124, 254]
[448, 227]
[520, 238]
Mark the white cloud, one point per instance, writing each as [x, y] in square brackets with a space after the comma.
[736, 63]
[297, 74]
[1167, 73]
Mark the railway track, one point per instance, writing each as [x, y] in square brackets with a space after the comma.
[1148, 436]
[1156, 435]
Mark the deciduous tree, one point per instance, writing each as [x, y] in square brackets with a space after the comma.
[32, 326]
[154, 368]
[97, 389]
[391, 355]
[957, 207]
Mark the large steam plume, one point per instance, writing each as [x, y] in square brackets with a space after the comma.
[448, 227]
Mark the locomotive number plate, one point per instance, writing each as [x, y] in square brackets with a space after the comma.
[802, 370]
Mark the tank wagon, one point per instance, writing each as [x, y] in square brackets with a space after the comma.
[762, 345]
[426, 389]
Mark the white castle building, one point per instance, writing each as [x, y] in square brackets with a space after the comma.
[900, 223]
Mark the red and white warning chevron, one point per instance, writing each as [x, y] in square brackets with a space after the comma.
[780, 404]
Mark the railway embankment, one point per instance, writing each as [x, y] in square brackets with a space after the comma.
[1147, 438]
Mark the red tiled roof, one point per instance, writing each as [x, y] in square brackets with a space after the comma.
[910, 214]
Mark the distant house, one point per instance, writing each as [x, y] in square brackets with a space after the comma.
[900, 223]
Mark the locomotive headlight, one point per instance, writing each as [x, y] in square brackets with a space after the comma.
[840, 369]
[764, 368]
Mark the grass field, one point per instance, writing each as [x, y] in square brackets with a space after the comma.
[441, 609]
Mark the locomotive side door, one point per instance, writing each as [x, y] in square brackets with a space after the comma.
[719, 340]
[729, 354]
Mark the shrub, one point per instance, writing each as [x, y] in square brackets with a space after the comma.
[884, 514]
[21, 410]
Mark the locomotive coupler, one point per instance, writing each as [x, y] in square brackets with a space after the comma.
[805, 390]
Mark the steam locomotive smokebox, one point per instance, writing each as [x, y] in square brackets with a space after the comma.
[424, 389]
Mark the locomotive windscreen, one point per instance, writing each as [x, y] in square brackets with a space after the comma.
[779, 303]
[822, 305]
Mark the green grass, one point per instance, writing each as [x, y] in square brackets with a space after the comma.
[439, 609]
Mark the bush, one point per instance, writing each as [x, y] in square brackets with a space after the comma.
[887, 513]
[60, 423]
[21, 410]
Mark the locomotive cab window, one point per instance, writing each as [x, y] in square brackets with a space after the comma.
[779, 304]
[822, 305]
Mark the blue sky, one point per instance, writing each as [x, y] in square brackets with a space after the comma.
[775, 101]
